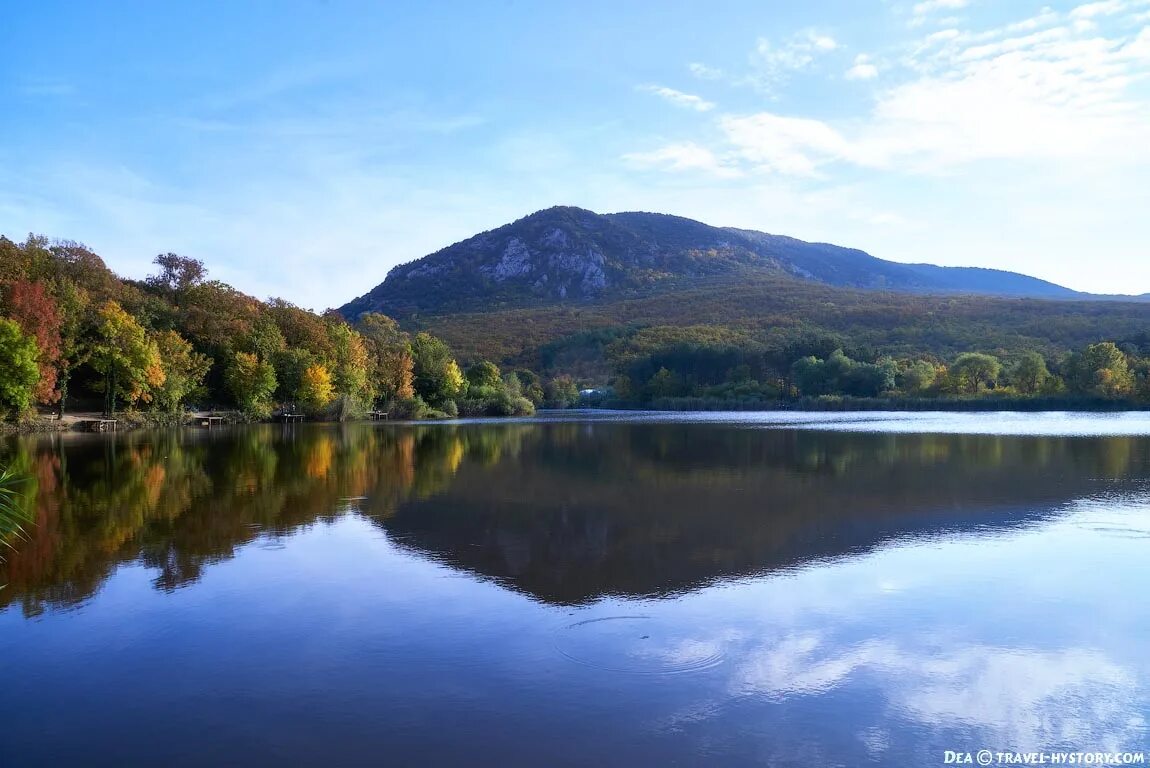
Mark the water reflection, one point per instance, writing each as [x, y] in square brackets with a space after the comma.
[565, 512]
[612, 593]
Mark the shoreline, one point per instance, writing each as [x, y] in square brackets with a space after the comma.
[81, 421]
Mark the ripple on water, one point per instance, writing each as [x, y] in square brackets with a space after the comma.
[635, 645]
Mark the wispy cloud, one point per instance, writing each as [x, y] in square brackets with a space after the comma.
[773, 62]
[679, 98]
[1038, 89]
[704, 72]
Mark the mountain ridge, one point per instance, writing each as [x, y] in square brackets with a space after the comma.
[570, 255]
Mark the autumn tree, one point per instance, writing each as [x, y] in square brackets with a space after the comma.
[316, 390]
[127, 358]
[19, 369]
[34, 309]
[184, 370]
[390, 350]
[252, 382]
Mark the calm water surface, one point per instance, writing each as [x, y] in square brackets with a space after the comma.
[750, 589]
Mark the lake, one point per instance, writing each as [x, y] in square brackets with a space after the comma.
[581, 589]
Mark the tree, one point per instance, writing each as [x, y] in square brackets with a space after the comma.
[177, 275]
[483, 374]
[531, 386]
[19, 371]
[184, 370]
[1030, 373]
[973, 372]
[917, 377]
[127, 358]
[265, 340]
[561, 392]
[252, 382]
[437, 375]
[316, 389]
[390, 350]
[34, 309]
[290, 365]
[1101, 370]
[74, 304]
[350, 364]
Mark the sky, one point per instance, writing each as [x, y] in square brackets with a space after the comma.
[302, 148]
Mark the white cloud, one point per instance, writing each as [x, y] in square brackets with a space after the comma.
[678, 98]
[930, 6]
[683, 156]
[1024, 91]
[787, 145]
[1103, 8]
[863, 69]
[923, 10]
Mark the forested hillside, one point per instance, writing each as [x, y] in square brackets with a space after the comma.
[741, 341]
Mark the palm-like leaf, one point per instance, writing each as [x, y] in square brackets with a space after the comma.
[13, 515]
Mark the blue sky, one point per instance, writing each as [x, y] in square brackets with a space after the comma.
[301, 149]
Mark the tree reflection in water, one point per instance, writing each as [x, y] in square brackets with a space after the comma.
[564, 512]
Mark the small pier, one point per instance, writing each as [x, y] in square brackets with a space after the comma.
[291, 418]
[377, 415]
[100, 425]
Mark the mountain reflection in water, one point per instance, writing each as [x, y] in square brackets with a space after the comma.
[564, 512]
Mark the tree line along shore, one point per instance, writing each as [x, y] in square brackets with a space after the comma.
[78, 341]
[74, 336]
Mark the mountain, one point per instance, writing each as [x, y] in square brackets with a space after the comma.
[570, 255]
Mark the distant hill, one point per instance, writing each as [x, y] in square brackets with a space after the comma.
[572, 256]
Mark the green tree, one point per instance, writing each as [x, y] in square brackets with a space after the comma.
[19, 372]
[1101, 370]
[1030, 374]
[483, 374]
[350, 364]
[974, 372]
[531, 386]
[561, 392]
[916, 377]
[184, 370]
[127, 358]
[252, 382]
[437, 376]
[290, 365]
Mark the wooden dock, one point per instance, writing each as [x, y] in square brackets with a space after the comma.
[291, 418]
[100, 425]
[378, 415]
